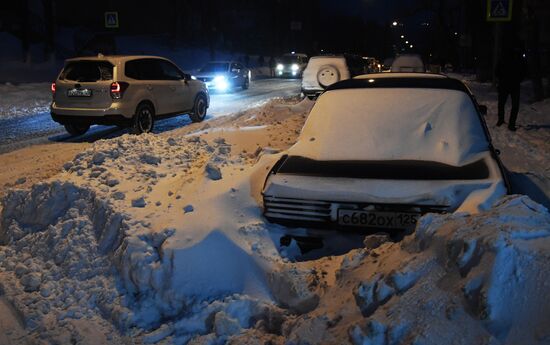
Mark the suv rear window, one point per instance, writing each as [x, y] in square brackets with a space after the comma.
[87, 71]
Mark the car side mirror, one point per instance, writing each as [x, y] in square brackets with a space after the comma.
[482, 109]
[186, 77]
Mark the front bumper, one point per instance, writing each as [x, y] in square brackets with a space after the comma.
[312, 92]
[288, 73]
[324, 214]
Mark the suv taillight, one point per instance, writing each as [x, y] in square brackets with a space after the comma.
[53, 88]
[118, 88]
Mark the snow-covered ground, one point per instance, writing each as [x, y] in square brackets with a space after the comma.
[24, 99]
[160, 239]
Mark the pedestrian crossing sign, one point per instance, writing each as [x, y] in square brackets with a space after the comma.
[111, 20]
[499, 10]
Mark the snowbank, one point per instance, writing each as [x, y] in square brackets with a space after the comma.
[158, 239]
[459, 279]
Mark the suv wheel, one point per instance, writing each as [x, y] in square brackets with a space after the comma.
[144, 119]
[76, 129]
[199, 109]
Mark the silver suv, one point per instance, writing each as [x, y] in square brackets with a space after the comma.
[127, 91]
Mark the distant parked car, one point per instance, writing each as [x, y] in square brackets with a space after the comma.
[291, 65]
[408, 63]
[380, 150]
[222, 76]
[325, 70]
[128, 91]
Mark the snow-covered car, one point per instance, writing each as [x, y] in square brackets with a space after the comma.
[222, 76]
[380, 150]
[325, 70]
[127, 91]
[291, 65]
[408, 63]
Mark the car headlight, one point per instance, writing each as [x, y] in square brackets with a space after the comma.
[294, 67]
[220, 82]
[280, 67]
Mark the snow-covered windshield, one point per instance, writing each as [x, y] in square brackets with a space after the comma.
[435, 125]
[215, 67]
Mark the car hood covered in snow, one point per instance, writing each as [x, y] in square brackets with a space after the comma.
[393, 124]
[398, 134]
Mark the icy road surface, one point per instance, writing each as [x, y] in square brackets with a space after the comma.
[38, 127]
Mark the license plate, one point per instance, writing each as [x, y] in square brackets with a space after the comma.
[79, 92]
[375, 219]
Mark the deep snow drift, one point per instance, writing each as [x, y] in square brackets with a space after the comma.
[158, 239]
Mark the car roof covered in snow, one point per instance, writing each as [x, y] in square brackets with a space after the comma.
[401, 80]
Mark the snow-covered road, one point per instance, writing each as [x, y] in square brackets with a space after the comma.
[32, 124]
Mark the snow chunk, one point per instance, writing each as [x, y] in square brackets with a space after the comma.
[213, 171]
[139, 202]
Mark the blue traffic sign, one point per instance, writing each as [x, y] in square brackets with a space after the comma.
[111, 20]
[499, 10]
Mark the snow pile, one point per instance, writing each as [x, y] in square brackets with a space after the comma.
[158, 239]
[57, 265]
[459, 279]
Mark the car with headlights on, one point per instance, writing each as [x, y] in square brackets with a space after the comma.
[291, 65]
[223, 76]
[126, 90]
[380, 150]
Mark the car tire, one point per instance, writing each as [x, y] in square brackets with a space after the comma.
[246, 84]
[143, 120]
[199, 109]
[328, 75]
[76, 129]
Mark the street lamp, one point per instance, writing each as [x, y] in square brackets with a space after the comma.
[411, 46]
[394, 23]
[402, 36]
[406, 42]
